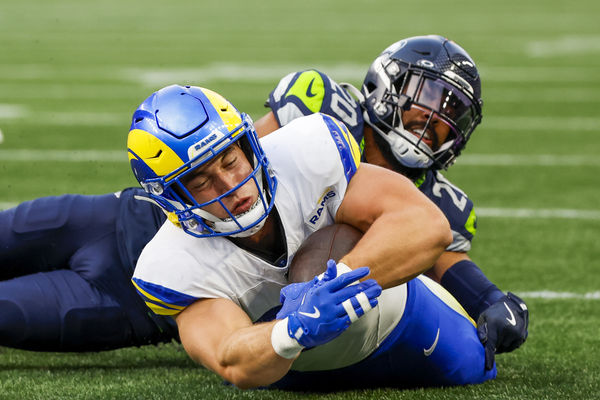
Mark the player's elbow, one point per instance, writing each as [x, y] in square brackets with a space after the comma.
[241, 379]
[237, 379]
[433, 227]
[440, 230]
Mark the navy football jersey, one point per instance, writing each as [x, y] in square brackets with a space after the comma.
[455, 205]
[139, 220]
[306, 92]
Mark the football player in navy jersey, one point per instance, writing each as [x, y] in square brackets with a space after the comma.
[417, 108]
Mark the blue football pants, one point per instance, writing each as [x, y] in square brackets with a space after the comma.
[432, 345]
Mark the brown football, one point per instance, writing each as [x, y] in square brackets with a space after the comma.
[333, 241]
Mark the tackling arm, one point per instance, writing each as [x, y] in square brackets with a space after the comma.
[404, 232]
[266, 124]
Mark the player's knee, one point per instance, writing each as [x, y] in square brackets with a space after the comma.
[92, 329]
[12, 323]
[470, 367]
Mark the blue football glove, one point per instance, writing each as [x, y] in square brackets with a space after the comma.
[325, 310]
[292, 295]
[502, 327]
[328, 309]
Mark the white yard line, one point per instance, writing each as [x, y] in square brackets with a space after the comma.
[565, 45]
[27, 155]
[68, 118]
[541, 213]
[12, 111]
[550, 295]
[543, 160]
[546, 124]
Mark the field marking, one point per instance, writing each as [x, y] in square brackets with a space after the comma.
[62, 118]
[556, 124]
[12, 111]
[543, 95]
[550, 295]
[565, 45]
[542, 160]
[540, 213]
[26, 155]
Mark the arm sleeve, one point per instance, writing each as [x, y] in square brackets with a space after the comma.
[307, 92]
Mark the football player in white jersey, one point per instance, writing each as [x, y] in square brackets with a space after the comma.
[237, 215]
[418, 106]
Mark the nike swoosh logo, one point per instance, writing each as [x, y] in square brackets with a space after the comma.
[156, 156]
[430, 350]
[314, 314]
[512, 320]
[309, 92]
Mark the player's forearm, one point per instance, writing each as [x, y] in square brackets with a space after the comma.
[247, 358]
[401, 244]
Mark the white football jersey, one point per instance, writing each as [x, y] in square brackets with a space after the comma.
[313, 159]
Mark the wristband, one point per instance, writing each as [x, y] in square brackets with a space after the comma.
[469, 285]
[283, 344]
[342, 268]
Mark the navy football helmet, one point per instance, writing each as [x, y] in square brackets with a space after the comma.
[179, 129]
[434, 77]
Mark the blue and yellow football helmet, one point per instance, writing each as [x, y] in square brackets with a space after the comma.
[180, 128]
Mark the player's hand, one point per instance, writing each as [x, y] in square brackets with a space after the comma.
[291, 297]
[502, 327]
[331, 304]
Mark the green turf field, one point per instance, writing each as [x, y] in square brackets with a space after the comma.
[72, 72]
